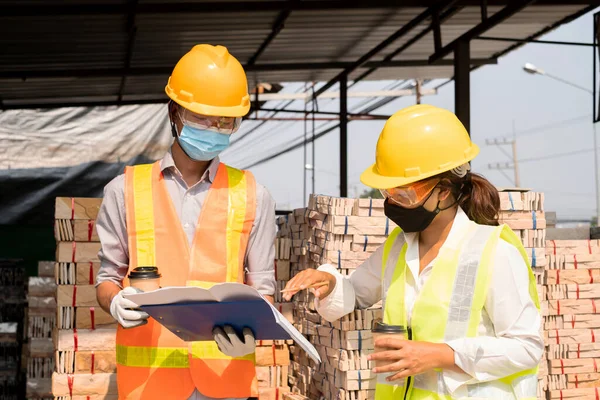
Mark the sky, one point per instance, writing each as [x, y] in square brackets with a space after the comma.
[552, 121]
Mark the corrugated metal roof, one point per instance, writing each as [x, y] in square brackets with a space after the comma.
[90, 50]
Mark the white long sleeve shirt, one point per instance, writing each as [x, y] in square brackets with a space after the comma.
[509, 338]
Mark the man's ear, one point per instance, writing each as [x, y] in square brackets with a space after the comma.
[172, 110]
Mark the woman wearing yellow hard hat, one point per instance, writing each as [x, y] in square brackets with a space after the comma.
[452, 281]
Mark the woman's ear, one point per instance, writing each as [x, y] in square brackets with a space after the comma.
[444, 194]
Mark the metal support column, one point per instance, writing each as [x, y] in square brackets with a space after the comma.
[343, 136]
[462, 85]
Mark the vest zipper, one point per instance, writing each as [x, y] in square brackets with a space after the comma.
[409, 379]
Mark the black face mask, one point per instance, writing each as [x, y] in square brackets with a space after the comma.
[410, 219]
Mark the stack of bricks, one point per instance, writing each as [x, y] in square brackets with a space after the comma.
[272, 369]
[572, 324]
[12, 320]
[523, 212]
[84, 341]
[283, 255]
[41, 320]
[343, 233]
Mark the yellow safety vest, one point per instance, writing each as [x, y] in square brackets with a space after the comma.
[450, 306]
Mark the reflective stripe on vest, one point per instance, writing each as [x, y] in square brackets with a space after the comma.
[149, 356]
[448, 307]
[172, 357]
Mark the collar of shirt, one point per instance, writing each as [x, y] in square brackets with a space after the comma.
[461, 221]
[167, 163]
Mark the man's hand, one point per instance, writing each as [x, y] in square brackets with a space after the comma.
[231, 345]
[123, 310]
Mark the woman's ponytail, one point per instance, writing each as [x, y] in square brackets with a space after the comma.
[480, 200]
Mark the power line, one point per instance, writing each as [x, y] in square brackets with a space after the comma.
[295, 146]
[556, 155]
[539, 128]
[248, 154]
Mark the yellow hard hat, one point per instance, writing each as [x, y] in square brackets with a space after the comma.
[418, 142]
[210, 81]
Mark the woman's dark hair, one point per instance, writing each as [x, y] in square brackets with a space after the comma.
[476, 196]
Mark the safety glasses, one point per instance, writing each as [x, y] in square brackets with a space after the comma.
[224, 125]
[410, 195]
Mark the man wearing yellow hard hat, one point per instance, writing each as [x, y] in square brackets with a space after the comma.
[199, 222]
[452, 281]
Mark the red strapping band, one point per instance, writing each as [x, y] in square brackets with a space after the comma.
[75, 339]
[593, 340]
[591, 276]
[573, 321]
[94, 356]
[274, 354]
[578, 350]
[92, 314]
[90, 229]
[562, 366]
[277, 393]
[72, 208]
[597, 395]
[557, 337]
[576, 381]
[557, 307]
[260, 342]
[91, 273]
[281, 308]
[70, 384]
[74, 251]
[561, 397]
[554, 244]
[575, 260]
[577, 290]
[276, 270]
[74, 295]
[558, 276]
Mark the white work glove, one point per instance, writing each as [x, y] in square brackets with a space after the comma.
[124, 312]
[230, 343]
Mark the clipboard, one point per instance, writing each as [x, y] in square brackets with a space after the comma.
[191, 313]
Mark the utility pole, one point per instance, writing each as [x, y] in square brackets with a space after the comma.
[506, 165]
[514, 154]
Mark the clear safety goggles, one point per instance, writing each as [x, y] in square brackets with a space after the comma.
[224, 125]
[410, 195]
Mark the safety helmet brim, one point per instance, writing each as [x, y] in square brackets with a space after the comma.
[373, 178]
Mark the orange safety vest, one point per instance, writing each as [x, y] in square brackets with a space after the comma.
[153, 363]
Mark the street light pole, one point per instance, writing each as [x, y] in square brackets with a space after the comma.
[532, 69]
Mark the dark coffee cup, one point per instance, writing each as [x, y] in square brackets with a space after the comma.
[144, 278]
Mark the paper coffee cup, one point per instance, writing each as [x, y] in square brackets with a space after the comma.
[144, 278]
[381, 330]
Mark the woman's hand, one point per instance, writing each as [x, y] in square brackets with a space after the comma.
[410, 358]
[309, 277]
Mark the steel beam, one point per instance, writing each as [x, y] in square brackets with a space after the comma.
[145, 71]
[462, 84]
[344, 136]
[13, 105]
[132, 32]
[513, 40]
[443, 17]
[278, 25]
[182, 7]
[481, 28]
[391, 39]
